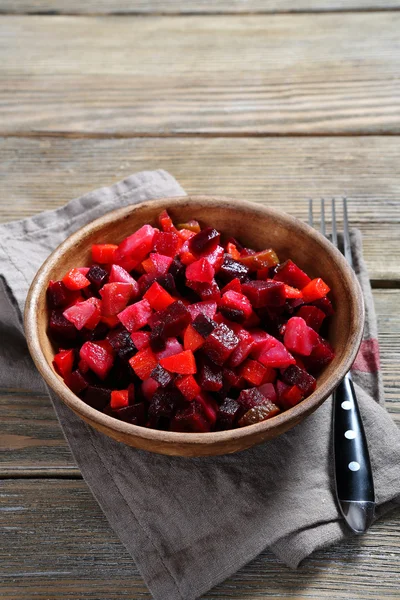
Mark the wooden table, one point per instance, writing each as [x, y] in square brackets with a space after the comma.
[270, 100]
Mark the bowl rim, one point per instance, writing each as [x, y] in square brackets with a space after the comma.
[90, 414]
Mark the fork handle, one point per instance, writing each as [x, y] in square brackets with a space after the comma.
[353, 473]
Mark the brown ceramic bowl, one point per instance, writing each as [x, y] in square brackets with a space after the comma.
[255, 226]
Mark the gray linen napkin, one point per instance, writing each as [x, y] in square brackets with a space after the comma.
[190, 523]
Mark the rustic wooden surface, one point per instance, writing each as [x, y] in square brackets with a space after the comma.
[274, 108]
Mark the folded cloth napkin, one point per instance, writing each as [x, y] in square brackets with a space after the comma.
[189, 523]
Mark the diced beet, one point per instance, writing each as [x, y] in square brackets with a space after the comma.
[157, 264]
[232, 314]
[203, 324]
[210, 376]
[99, 359]
[259, 336]
[60, 327]
[122, 343]
[162, 376]
[97, 397]
[63, 362]
[103, 253]
[321, 355]
[190, 419]
[135, 247]
[119, 399]
[141, 339]
[136, 315]
[243, 349]
[312, 315]
[174, 318]
[135, 414]
[172, 347]
[143, 363]
[163, 406]
[272, 353]
[183, 363]
[220, 344]
[268, 391]
[236, 301]
[149, 388]
[325, 305]
[299, 337]
[250, 398]
[204, 242]
[216, 258]
[260, 260]
[188, 386]
[115, 296]
[233, 285]
[209, 407]
[207, 309]
[231, 379]
[265, 293]
[166, 243]
[253, 371]
[59, 295]
[168, 283]
[293, 375]
[292, 293]
[185, 256]
[97, 277]
[208, 292]
[158, 297]
[227, 413]
[259, 413]
[232, 269]
[192, 340]
[157, 340]
[200, 271]
[290, 273]
[77, 382]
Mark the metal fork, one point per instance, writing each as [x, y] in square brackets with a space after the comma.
[354, 484]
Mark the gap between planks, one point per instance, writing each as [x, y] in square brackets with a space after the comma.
[191, 134]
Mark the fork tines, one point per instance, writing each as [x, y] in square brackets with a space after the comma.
[334, 237]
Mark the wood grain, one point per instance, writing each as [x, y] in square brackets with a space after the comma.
[31, 441]
[70, 553]
[271, 74]
[189, 6]
[43, 173]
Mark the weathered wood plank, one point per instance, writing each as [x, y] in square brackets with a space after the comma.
[43, 173]
[188, 6]
[31, 440]
[69, 552]
[271, 74]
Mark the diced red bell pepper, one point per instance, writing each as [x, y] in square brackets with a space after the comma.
[234, 286]
[188, 386]
[236, 301]
[253, 371]
[135, 248]
[63, 362]
[270, 375]
[143, 363]
[98, 358]
[111, 322]
[115, 297]
[103, 253]
[232, 250]
[136, 315]
[299, 337]
[315, 290]
[260, 260]
[165, 222]
[288, 396]
[141, 339]
[192, 340]
[84, 314]
[291, 292]
[185, 234]
[75, 280]
[292, 275]
[157, 264]
[158, 297]
[200, 271]
[183, 363]
[119, 399]
[167, 243]
[312, 315]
